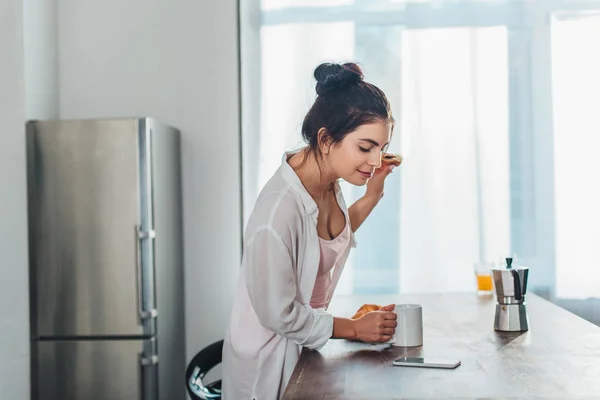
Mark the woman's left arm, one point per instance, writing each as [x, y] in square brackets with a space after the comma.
[360, 210]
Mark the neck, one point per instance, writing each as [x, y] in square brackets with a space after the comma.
[317, 181]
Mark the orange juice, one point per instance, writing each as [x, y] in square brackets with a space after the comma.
[484, 283]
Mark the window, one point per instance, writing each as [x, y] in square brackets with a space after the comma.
[486, 100]
[287, 88]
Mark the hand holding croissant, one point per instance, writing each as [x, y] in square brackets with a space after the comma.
[364, 309]
[374, 323]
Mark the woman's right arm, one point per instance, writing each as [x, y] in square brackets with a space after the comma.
[272, 288]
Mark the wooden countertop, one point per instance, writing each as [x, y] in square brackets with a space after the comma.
[558, 358]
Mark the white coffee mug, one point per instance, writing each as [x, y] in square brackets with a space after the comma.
[409, 331]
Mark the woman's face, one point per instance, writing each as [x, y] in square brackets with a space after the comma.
[356, 157]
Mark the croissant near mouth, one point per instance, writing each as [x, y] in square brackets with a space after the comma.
[391, 159]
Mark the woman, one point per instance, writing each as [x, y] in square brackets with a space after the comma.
[299, 235]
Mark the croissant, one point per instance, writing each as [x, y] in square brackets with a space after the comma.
[366, 308]
[391, 159]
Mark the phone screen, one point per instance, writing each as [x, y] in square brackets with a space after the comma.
[426, 362]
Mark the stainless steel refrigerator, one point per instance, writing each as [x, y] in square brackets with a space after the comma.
[106, 267]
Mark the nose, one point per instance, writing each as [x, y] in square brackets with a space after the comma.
[375, 160]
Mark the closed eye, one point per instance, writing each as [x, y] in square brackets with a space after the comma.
[374, 143]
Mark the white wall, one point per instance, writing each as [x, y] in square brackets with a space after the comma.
[14, 300]
[176, 61]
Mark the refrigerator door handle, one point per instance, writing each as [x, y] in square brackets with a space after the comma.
[139, 236]
[147, 366]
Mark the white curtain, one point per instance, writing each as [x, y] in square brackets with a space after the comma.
[289, 55]
[455, 186]
[465, 88]
[576, 84]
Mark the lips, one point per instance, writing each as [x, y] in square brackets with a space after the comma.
[365, 175]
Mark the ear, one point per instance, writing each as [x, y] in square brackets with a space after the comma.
[323, 140]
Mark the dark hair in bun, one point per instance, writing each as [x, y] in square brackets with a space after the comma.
[331, 76]
[344, 103]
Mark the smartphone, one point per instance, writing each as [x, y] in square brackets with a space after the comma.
[426, 362]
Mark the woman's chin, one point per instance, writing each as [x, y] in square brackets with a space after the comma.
[356, 181]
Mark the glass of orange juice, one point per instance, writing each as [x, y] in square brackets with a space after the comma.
[483, 275]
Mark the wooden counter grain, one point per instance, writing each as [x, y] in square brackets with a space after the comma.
[558, 358]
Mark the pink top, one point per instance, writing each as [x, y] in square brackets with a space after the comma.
[329, 267]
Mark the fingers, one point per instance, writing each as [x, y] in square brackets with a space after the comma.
[389, 307]
[386, 338]
[389, 323]
[388, 326]
[388, 331]
[384, 171]
[376, 329]
[390, 315]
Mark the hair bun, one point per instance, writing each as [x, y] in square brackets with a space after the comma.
[331, 76]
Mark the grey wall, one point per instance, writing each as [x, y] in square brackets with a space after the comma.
[176, 61]
[40, 52]
[14, 319]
